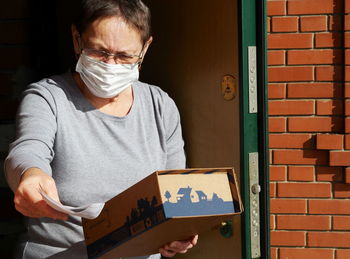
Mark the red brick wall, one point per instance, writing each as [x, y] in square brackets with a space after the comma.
[309, 83]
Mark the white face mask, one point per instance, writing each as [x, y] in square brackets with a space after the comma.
[106, 80]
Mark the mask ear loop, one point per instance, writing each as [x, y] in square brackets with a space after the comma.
[78, 38]
[141, 60]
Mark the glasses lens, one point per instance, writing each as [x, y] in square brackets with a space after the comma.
[119, 58]
[95, 54]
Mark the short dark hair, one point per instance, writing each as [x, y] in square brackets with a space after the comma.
[133, 12]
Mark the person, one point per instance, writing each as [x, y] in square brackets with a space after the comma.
[90, 133]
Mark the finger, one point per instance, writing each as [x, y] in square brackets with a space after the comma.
[39, 209]
[166, 253]
[179, 245]
[49, 187]
[194, 240]
[49, 212]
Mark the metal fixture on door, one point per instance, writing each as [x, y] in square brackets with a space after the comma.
[254, 204]
[229, 87]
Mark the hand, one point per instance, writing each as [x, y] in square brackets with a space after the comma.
[172, 248]
[29, 201]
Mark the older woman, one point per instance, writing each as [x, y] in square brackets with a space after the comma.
[87, 135]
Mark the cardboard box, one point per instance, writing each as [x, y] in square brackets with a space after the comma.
[165, 206]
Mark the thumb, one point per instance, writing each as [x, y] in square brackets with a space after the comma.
[50, 189]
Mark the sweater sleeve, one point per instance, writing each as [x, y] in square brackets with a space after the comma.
[176, 158]
[35, 135]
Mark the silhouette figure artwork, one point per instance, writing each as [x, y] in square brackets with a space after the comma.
[185, 206]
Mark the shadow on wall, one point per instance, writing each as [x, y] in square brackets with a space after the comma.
[333, 73]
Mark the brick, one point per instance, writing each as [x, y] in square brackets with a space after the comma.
[300, 157]
[347, 6]
[335, 23]
[347, 39]
[291, 74]
[339, 158]
[276, 91]
[315, 124]
[329, 174]
[329, 207]
[328, 40]
[288, 238]
[304, 190]
[347, 57]
[272, 190]
[278, 173]
[291, 141]
[290, 40]
[302, 222]
[347, 90]
[276, 57]
[16, 32]
[297, 7]
[329, 107]
[285, 24]
[274, 252]
[347, 107]
[309, 57]
[287, 206]
[291, 107]
[341, 222]
[347, 124]
[268, 24]
[347, 141]
[329, 141]
[341, 190]
[313, 23]
[276, 7]
[272, 222]
[305, 253]
[328, 239]
[347, 22]
[347, 175]
[314, 90]
[277, 124]
[343, 254]
[301, 173]
[329, 73]
[347, 73]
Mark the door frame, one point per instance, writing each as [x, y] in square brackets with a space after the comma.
[254, 126]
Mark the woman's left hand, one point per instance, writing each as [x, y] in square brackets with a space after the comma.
[172, 248]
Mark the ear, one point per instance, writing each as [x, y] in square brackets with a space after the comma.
[145, 48]
[76, 39]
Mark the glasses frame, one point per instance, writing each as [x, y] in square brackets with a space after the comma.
[106, 55]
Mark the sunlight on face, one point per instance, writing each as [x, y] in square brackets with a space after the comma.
[112, 34]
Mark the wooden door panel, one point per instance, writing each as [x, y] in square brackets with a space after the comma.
[195, 45]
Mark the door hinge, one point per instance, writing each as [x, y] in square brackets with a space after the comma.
[253, 94]
[254, 190]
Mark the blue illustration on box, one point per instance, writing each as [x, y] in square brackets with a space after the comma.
[150, 213]
[186, 204]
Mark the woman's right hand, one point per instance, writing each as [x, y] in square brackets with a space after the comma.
[28, 199]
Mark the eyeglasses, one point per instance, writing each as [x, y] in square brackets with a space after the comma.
[119, 58]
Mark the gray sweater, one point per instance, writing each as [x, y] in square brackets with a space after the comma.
[91, 155]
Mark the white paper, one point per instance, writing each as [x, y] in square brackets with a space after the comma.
[89, 212]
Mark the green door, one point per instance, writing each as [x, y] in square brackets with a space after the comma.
[200, 57]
